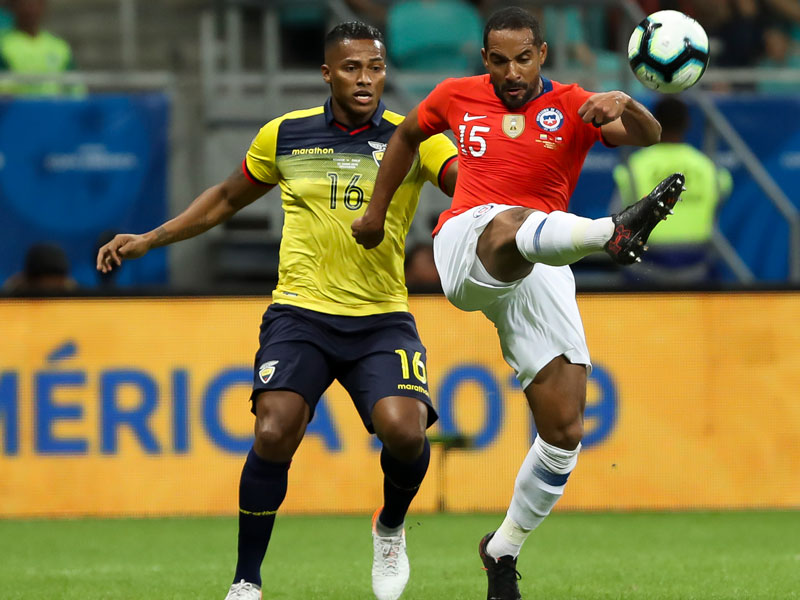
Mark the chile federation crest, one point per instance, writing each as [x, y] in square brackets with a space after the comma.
[550, 119]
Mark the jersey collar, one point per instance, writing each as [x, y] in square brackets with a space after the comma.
[375, 120]
[547, 86]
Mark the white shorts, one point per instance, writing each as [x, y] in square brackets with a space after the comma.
[537, 317]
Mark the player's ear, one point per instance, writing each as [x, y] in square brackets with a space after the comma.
[483, 57]
[542, 53]
[326, 73]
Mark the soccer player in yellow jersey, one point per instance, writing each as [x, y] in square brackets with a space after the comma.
[339, 311]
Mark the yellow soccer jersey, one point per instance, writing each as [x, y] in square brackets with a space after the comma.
[326, 174]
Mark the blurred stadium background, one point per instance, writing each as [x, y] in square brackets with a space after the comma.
[127, 397]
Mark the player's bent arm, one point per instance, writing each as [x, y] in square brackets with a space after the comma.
[397, 160]
[635, 127]
[215, 205]
[450, 178]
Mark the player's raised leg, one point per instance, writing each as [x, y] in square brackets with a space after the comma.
[400, 423]
[517, 238]
[557, 397]
[281, 420]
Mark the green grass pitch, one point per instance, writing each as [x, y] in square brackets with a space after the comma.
[703, 556]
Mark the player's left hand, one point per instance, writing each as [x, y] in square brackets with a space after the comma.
[603, 108]
[368, 230]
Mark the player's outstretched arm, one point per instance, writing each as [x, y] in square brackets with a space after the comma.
[624, 121]
[215, 205]
[399, 156]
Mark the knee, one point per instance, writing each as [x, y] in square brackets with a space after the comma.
[564, 435]
[276, 440]
[403, 442]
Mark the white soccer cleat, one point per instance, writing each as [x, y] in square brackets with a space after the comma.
[244, 590]
[390, 568]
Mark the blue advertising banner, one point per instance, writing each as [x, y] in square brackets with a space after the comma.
[72, 170]
[769, 126]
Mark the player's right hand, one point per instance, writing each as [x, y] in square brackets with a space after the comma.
[123, 246]
[368, 231]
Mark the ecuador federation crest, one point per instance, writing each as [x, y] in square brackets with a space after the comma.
[267, 370]
[379, 148]
[513, 125]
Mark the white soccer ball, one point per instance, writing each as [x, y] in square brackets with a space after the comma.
[668, 51]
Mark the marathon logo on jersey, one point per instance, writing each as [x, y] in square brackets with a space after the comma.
[513, 125]
[550, 119]
[317, 150]
[379, 150]
[267, 370]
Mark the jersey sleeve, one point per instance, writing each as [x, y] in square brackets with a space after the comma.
[436, 156]
[432, 111]
[259, 164]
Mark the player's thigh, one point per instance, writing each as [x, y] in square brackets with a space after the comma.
[538, 321]
[465, 281]
[291, 356]
[497, 246]
[397, 370]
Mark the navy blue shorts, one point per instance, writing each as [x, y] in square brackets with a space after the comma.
[372, 357]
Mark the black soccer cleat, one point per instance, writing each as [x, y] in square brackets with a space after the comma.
[502, 573]
[633, 225]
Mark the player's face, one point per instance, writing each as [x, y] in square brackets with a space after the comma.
[356, 72]
[514, 63]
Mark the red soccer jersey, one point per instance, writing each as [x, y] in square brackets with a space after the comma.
[531, 157]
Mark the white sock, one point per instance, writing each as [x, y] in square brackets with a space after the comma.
[540, 483]
[560, 238]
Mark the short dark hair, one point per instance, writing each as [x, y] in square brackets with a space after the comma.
[673, 114]
[513, 18]
[46, 259]
[352, 30]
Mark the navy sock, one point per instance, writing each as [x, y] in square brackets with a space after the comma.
[262, 489]
[400, 484]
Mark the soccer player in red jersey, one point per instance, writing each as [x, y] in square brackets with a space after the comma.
[504, 245]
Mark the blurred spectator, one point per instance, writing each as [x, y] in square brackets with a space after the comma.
[29, 49]
[303, 26]
[372, 11]
[6, 18]
[46, 270]
[582, 31]
[784, 10]
[420, 269]
[734, 29]
[651, 6]
[434, 35]
[780, 52]
[680, 248]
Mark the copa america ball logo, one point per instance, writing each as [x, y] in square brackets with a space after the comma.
[550, 119]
